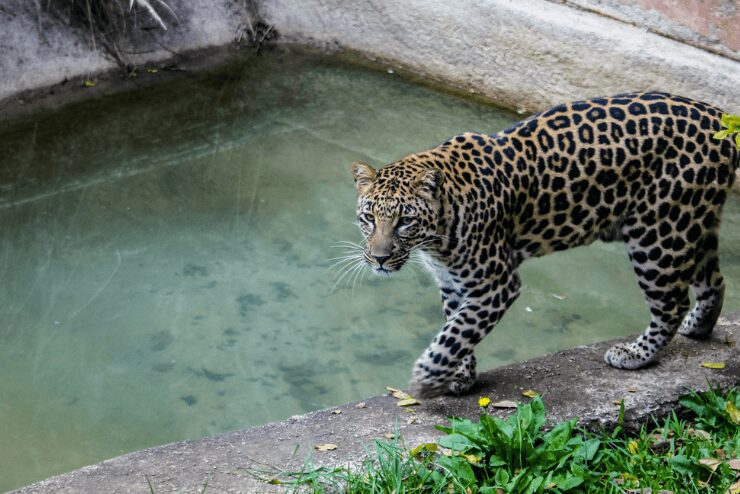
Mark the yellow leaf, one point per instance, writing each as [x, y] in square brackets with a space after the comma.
[633, 447]
[733, 412]
[504, 404]
[274, 481]
[713, 365]
[422, 448]
[325, 447]
[734, 488]
[398, 394]
[389, 435]
[484, 401]
[472, 459]
[408, 402]
[530, 393]
[152, 71]
[89, 83]
[336, 412]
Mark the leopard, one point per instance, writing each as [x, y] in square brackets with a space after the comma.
[639, 167]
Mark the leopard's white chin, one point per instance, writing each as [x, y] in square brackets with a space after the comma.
[382, 272]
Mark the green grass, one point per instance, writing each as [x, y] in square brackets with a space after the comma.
[516, 455]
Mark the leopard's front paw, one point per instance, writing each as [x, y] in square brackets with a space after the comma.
[628, 356]
[465, 376]
[426, 383]
[460, 385]
[426, 390]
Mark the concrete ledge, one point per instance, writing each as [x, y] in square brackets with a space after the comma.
[574, 382]
[528, 54]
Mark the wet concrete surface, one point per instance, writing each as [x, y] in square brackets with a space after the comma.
[574, 383]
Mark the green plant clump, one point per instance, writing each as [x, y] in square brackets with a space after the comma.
[517, 455]
[731, 124]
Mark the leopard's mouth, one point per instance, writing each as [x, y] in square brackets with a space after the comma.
[388, 267]
[381, 271]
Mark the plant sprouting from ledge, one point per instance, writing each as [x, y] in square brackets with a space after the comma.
[731, 124]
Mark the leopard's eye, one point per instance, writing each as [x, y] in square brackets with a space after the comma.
[369, 217]
[405, 220]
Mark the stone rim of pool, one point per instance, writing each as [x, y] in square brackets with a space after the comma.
[574, 383]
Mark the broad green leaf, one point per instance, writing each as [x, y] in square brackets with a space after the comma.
[568, 482]
[559, 435]
[721, 134]
[456, 442]
[502, 477]
[683, 465]
[495, 461]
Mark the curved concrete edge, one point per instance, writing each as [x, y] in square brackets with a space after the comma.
[575, 383]
[528, 54]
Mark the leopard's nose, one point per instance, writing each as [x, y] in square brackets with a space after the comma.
[381, 259]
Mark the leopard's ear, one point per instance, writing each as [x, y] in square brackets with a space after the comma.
[429, 183]
[364, 175]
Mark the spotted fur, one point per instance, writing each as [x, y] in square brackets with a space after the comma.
[642, 168]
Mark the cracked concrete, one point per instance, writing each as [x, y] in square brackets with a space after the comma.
[575, 383]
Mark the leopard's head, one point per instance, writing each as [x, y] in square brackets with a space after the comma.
[397, 211]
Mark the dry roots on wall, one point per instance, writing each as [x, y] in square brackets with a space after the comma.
[126, 28]
[112, 23]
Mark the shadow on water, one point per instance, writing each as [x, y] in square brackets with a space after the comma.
[165, 253]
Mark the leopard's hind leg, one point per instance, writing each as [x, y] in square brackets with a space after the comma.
[708, 286]
[663, 272]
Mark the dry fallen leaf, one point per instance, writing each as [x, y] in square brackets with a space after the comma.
[504, 404]
[361, 404]
[397, 393]
[729, 341]
[530, 393]
[411, 420]
[734, 464]
[711, 463]
[713, 365]
[698, 433]
[336, 412]
[405, 399]
[389, 435]
[325, 447]
[89, 83]
[407, 402]
[734, 488]
[632, 389]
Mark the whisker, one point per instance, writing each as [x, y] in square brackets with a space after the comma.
[348, 268]
[344, 263]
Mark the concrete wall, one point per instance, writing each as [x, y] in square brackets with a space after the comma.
[38, 49]
[710, 24]
[529, 53]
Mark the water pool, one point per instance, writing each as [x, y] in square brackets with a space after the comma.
[164, 257]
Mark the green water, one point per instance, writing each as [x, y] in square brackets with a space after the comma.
[164, 257]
